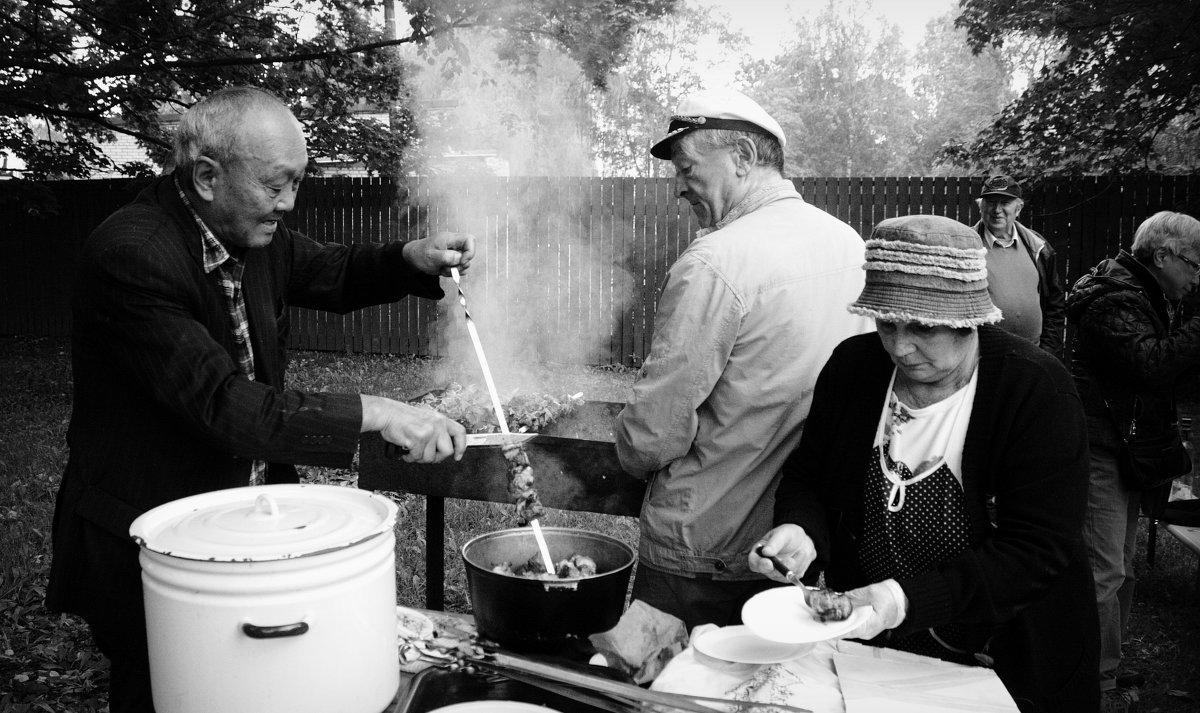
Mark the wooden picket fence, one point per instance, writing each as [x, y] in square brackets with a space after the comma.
[567, 269]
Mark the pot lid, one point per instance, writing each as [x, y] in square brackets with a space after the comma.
[264, 522]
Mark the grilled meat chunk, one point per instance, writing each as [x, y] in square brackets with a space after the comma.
[828, 605]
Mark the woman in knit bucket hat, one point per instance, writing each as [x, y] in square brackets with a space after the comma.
[942, 474]
[926, 269]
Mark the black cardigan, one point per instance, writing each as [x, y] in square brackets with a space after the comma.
[1025, 466]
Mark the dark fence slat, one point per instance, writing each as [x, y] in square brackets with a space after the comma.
[852, 189]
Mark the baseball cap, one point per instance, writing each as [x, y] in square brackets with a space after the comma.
[1001, 186]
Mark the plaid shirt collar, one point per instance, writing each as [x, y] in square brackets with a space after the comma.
[229, 279]
[214, 253]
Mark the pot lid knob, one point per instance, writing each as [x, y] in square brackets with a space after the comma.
[265, 506]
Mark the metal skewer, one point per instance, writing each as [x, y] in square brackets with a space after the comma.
[487, 373]
[499, 410]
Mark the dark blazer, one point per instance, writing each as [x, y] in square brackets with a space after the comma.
[160, 410]
[1025, 468]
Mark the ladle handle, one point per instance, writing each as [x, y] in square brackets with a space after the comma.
[542, 547]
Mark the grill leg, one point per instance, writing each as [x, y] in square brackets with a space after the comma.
[435, 557]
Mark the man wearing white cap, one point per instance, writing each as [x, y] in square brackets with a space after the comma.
[748, 315]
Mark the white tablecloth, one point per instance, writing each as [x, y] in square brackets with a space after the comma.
[842, 676]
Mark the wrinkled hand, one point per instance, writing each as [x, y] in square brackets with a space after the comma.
[426, 435]
[788, 543]
[889, 603]
[437, 254]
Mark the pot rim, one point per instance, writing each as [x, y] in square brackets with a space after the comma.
[523, 531]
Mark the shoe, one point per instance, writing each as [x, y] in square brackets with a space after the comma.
[1119, 700]
[1131, 679]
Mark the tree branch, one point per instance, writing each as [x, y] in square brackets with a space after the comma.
[135, 65]
[92, 117]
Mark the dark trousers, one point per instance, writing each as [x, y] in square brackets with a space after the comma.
[696, 600]
[116, 616]
[129, 673]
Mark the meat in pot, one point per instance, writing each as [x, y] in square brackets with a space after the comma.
[574, 567]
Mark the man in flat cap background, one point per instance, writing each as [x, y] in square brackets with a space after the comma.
[1022, 277]
[748, 315]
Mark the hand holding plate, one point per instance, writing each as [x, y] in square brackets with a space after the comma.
[888, 607]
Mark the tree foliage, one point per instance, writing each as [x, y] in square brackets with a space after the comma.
[664, 63]
[74, 73]
[838, 91]
[1125, 78]
[959, 92]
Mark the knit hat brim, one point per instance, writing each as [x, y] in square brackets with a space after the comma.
[926, 269]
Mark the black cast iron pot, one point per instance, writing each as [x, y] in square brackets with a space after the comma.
[545, 615]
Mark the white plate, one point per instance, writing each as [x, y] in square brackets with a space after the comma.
[781, 615]
[492, 707]
[740, 645]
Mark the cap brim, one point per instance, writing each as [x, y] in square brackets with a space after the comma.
[662, 149]
[998, 193]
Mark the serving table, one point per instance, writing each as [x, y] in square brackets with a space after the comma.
[1189, 535]
[844, 676]
[835, 676]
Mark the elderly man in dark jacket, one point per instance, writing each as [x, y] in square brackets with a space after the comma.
[1130, 343]
[180, 317]
[1023, 280]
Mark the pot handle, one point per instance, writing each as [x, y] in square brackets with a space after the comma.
[274, 632]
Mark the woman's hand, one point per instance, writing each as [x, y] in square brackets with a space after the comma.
[790, 545]
[426, 435]
[889, 602]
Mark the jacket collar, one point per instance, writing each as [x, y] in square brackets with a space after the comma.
[1122, 273]
[1034, 243]
[163, 195]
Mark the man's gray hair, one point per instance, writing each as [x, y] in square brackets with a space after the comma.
[213, 126]
[770, 153]
[1165, 229]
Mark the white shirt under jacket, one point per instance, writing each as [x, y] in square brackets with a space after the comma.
[749, 314]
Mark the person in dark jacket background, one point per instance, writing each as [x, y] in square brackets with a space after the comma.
[942, 475]
[180, 319]
[1129, 341]
[1023, 279]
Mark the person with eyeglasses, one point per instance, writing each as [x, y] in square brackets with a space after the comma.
[1133, 344]
[1191, 263]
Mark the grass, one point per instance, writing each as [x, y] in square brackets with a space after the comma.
[47, 661]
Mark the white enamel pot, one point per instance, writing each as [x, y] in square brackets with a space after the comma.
[274, 598]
